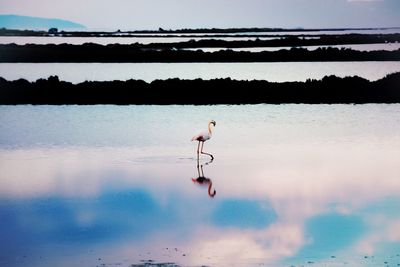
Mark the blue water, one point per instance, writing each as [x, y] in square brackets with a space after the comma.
[116, 186]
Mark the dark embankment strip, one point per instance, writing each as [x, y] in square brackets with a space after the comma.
[241, 39]
[329, 90]
[130, 53]
[290, 41]
[16, 32]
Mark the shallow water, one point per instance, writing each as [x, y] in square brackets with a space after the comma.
[113, 40]
[295, 185]
[270, 71]
[353, 31]
[357, 47]
[173, 38]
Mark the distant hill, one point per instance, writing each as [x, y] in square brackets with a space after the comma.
[36, 23]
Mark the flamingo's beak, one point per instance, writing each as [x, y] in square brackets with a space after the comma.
[213, 122]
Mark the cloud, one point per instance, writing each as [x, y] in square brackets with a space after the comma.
[385, 230]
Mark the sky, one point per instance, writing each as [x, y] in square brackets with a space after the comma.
[177, 14]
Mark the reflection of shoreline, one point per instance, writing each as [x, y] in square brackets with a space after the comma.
[202, 180]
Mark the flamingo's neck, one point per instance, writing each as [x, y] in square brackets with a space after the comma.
[209, 190]
[209, 128]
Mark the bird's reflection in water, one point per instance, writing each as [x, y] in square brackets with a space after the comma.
[202, 180]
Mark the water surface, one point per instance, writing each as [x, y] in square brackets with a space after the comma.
[181, 37]
[113, 40]
[114, 186]
[271, 71]
[357, 47]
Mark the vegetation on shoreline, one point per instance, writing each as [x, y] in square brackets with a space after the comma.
[131, 53]
[273, 41]
[16, 32]
[329, 90]
[290, 41]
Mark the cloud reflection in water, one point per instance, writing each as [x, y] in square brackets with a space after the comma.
[303, 185]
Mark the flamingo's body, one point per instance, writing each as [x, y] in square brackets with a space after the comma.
[204, 136]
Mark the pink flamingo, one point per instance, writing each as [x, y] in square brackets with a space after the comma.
[202, 137]
[202, 180]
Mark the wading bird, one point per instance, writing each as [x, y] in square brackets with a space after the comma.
[202, 180]
[202, 137]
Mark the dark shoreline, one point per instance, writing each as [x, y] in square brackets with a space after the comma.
[16, 32]
[204, 41]
[288, 41]
[132, 53]
[329, 90]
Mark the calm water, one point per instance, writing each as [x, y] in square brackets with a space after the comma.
[112, 40]
[274, 72]
[374, 31]
[112, 186]
[170, 38]
[358, 47]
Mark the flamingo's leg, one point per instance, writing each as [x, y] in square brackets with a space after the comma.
[198, 167]
[212, 157]
[202, 172]
[198, 146]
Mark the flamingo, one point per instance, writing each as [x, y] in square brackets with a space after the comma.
[202, 180]
[202, 137]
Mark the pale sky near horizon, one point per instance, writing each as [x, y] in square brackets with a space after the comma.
[176, 14]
